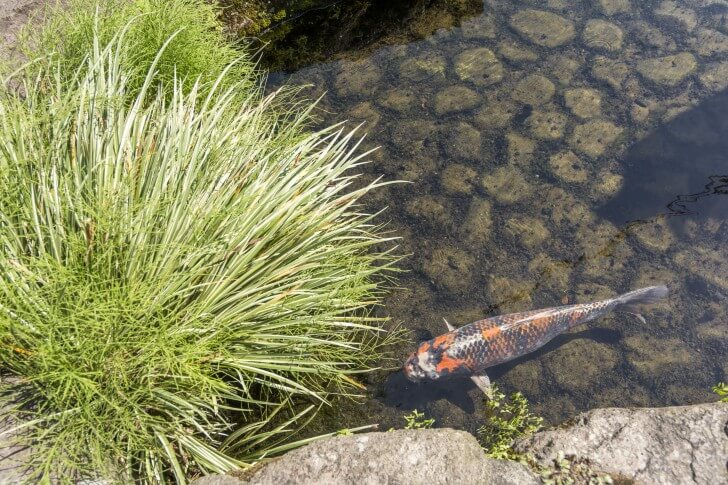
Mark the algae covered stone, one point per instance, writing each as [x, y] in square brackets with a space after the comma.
[583, 102]
[453, 99]
[516, 53]
[602, 35]
[495, 114]
[710, 43]
[521, 150]
[568, 167]
[359, 78]
[563, 68]
[476, 230]
[668, 70]
[547, 125]
[399, 99]
[479, 66]
[581, 364]
[594, 137]
[677, 15]
[463, 141]
[423, 67]
[654, 234]
[450, 267]
[612, 7]
[458, 179]
[480, 27]
[434, 210]
[543, 28]
[611, 71]
[528, 231]
[715, 76]
[507, 185]
[534, 89]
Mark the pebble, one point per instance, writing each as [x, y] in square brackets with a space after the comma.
[543, 28]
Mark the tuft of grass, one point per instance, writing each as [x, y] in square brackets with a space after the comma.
[199, 49]
[721, 389]
[186, 276]
[506, 420]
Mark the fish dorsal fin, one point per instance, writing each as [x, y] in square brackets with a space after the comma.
[533, 316]
[449, 326]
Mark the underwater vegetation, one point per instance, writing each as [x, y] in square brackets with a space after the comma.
[187, 272]
[721, 389]
[506, 419]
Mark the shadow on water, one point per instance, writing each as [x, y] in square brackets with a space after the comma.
[681, 169]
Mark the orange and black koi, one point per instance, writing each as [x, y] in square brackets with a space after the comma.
[471, 349]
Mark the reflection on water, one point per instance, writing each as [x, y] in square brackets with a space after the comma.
[550, 146]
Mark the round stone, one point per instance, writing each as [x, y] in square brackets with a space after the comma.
[602, 35]
[583, 102]
[594, 137]
[463, 141]
[611, 7]
[568, 167]
[715, 76]
[668, 70]
[423, 67]
[547, 125]
[611, 71]
[543, 28]
[458, 179]
[534, 90]
[516, 53]
[479, 66]
[357, 79]
[453, 99]
[507, 185]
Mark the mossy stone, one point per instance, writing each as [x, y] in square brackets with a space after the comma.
[601, 35]
[453, 99]
[568, 167]
[668, 70]
[593, 138]
[450, 268]
[507, 185]
[479, 66]
[543, 28]
[534, 89]
[521, 150]
[515, 52]
[546, 125]
[583, 102]
[528, 231]
[458, 179]
[476, 230]
[611, 71]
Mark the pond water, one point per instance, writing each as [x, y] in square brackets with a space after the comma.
[557, 151]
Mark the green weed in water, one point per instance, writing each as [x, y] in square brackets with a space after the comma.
[721, 389]
[417, 420]
[506, 420]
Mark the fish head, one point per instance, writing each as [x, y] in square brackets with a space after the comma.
[421, 364]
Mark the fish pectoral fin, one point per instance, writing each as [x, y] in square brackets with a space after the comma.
[449, 326]
[483, 383]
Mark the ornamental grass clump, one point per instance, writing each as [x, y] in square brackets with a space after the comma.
[183, 276]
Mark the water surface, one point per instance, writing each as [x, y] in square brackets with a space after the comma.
[557, 152]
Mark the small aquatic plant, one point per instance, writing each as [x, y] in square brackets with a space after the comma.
[506, 420]
[721, 389]
[184, 276]
[417, 420]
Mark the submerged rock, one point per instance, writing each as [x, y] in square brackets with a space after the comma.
[399, 99]
[607, 185]
[711, 266]
[594, 137]
[581, 363]
[495, 114]
[360, 78]
[568, 167]
[521, 150]
[463, 141]
[399, 457]
[507, 185]
[543, 28]
[480, 27]
[668, 70]
[602, 35]
[611, 71]
[684, 444]
[710, 42]
[611, 7]
[654, 234]
[547, 125]
[527, 231]
[563, 68]
[534, 90]
[715, 76]
[651, 36]
[677, 15]
[583, 102]
[516, 53]
[476, 230]
[450, 267]
[479, 66]
[423, 67]
[458, 179]
[455, 98]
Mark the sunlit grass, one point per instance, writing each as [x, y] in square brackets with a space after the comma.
[185, 277]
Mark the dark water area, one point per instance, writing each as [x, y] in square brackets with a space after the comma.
[557, 151]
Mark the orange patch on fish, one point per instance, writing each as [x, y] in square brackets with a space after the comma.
[449, 364]
[490, 333]
[443, 340]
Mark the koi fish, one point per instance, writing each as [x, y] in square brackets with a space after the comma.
[471, 349]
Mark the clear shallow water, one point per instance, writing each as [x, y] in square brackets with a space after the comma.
[559, 151]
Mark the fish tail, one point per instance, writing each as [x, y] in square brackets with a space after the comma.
[629, 302]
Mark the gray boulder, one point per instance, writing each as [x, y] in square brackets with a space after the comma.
[435, 456]
[685, 444]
